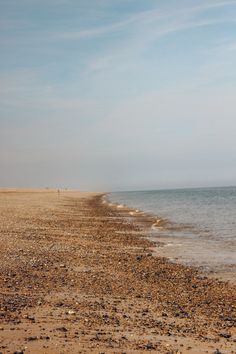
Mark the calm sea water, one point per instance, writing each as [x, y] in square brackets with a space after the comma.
[203, 220]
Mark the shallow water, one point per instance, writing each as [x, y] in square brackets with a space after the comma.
[202, 224]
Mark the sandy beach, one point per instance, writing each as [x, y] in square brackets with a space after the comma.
[80, 276]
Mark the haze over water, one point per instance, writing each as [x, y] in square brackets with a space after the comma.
[203, 223]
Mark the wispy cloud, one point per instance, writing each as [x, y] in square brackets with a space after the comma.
[105, 84]
[142, 29]
[95, 32]
[148, 17]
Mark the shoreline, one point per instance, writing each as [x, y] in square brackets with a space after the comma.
[154, 224]
[78, 276]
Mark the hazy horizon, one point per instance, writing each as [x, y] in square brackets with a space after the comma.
[117, 95]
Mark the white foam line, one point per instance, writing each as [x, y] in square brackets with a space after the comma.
[120, 206]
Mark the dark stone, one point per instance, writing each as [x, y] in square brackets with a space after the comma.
[225, 335]
[32, 338]
[31, 318]
[149, 346]
[231, 319]
[45, 337]
[217, 352]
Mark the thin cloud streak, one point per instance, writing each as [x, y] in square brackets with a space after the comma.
[150, 94]
[144, 18]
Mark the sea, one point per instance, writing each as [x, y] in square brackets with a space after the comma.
[201, 224]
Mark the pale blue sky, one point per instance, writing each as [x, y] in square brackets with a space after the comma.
[117, 94]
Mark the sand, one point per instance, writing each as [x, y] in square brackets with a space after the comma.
[78, 276]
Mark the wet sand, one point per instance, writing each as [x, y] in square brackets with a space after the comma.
[80, 276]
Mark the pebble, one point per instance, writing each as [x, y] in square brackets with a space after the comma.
[62, 329]
[32, 338]
[32, 318]
[225, 335]
[45, 337]
[149, 346]
[70, 312]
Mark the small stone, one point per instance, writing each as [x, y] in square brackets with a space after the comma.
[32, 338]
[217, 352]
[45, 337]
[225, 335]
[149, 346]
[62, 329]
[19, 352]
[231, 319]
[32, 318]
[70, 312]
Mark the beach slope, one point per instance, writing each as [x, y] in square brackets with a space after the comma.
[78, 276]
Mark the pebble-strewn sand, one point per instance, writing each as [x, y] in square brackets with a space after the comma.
[77, 277]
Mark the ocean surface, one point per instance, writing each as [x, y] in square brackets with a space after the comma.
[201, 227]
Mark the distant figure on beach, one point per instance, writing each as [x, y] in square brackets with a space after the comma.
[58, 191]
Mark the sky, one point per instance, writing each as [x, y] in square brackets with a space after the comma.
[117, 94]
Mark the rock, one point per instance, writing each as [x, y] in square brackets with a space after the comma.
[225, 335]
[149, 346]
[45, 337]
[19, 352]
[231, 319]
[32, 338]
[62, 329]
[217, 352]
[70, 312]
